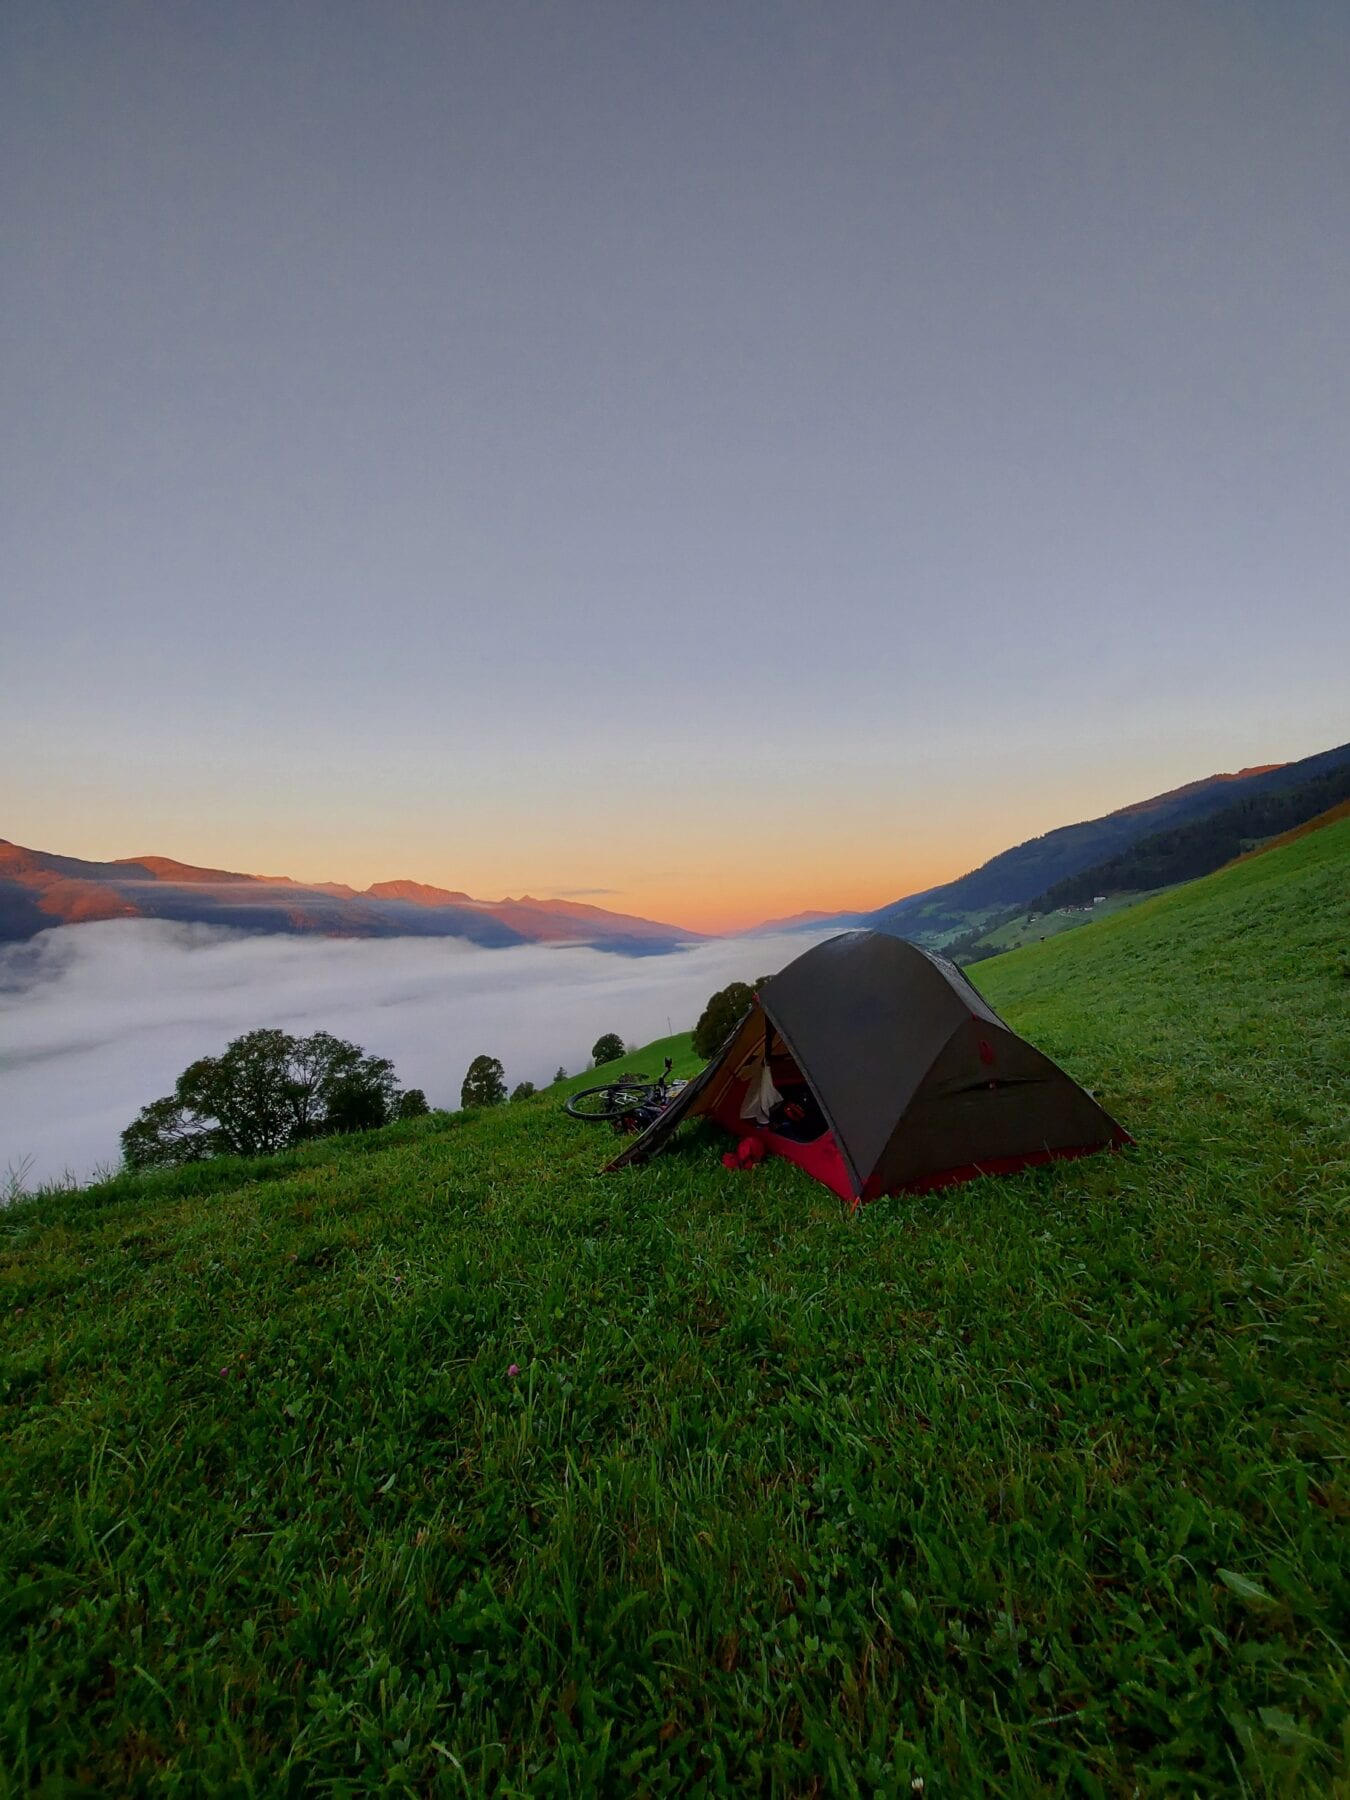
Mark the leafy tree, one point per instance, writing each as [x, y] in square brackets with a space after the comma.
[346, 1090]
[485, 1083]
[721, 1015]
[560, 1074]
[247, 1096]
[524, 1090]
[412, 1104]
[264, 1091]
[608, 1048]
[166, 1133]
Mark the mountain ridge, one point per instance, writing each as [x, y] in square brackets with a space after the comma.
[1198, 847]
[1193, 787]
[1017, 876]
[41, 890]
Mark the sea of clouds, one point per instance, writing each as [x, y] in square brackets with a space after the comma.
[96, 1020]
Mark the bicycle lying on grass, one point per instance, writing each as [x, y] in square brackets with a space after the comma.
[629, 1102]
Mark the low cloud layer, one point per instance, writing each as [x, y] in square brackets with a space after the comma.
[96, 1020]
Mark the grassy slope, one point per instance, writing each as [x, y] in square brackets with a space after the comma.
[1332, 816]
[1034, 1486]
[1047, 925]
[647, 1061]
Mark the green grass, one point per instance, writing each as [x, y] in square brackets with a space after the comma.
[1017, 932]
[1035, 1486]
[648, 1061]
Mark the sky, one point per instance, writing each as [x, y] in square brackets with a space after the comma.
[98, 1020]
[713, 460]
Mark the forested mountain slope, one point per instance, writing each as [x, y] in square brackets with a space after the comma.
[1186, 852]
[1017, 877]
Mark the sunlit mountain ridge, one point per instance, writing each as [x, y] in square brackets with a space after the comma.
[40, 890]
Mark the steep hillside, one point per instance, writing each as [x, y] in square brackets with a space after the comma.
[432, 1461]
[1185, 852]
[1332, 816]
[1018, 877]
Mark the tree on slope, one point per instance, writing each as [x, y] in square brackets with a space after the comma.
[266, 1090]
[485, 1083]
[166, 1133]
[608, 1048]
[719, 1017]
[343, 1088]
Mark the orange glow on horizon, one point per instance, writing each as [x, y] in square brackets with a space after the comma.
[699, 862]
[699, 885]
[731, 906]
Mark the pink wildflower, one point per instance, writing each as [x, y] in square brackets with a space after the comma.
[514, 1369]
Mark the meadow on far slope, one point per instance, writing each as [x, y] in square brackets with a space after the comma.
[433, 1461]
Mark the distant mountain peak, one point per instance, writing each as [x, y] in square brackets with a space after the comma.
[419, 893]
[164, 868]
[802, 921]
[40, 890]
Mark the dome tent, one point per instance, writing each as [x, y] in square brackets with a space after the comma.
[877, 1067]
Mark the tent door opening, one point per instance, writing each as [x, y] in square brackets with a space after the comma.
[785, 1106]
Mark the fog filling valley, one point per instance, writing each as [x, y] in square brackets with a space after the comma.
[97, 1020]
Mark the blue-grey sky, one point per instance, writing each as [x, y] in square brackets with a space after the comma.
[736, 457]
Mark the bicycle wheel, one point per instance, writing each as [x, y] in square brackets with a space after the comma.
[612, 1101]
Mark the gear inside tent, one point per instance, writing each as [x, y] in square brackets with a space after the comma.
[878, 1068]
